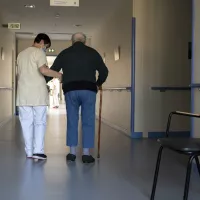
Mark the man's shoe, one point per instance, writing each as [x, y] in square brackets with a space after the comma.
[39, 156]
[71, 157]
[29, 157]
[88, 159]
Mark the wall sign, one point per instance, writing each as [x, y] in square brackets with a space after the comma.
[14, 26]
[51, 50]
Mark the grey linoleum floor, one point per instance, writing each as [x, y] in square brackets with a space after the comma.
[124, 172]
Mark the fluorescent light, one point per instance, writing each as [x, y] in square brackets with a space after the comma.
[29, 6]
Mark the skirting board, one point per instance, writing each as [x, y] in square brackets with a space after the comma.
[177, 134]
[151, 135]
[135, 135]
[114, 126]
[195, 168]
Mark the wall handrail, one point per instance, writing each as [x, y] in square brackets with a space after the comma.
[195, 85]
[6, 88]
[171, 88]
[116, 88]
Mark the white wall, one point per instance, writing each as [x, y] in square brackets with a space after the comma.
[196, 68]
[7, 41]
[163, 30]
[116, 31]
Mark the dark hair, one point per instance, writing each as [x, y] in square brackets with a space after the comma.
[43, 37]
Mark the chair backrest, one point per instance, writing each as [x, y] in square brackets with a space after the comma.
[180, 113]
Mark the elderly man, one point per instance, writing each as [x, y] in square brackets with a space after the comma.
[79, 64]
[32, 95]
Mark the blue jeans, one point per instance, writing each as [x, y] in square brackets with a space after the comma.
[86, 100]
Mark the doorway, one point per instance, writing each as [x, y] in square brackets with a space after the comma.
[52, 84]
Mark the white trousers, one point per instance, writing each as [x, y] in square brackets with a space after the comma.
[55, 100]
[33, 123]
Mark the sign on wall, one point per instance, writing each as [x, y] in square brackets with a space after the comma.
[14, 26]
[64, 3]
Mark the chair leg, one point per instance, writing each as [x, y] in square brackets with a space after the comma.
[156, 173]
[198, 165]
[187, 180]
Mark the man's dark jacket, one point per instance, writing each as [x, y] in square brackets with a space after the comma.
[79, 64]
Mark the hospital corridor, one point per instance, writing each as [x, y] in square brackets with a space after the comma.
[125, 74]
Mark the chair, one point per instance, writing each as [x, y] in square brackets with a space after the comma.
[186, 146]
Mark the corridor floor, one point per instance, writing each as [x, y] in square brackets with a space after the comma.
[124, 172]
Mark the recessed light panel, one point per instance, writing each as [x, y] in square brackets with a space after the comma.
[29, 6]
[74, 3]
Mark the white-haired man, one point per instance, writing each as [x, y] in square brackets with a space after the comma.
[79, 64]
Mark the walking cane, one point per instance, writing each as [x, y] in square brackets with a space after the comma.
[99, 129]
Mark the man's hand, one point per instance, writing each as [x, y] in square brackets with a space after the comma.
[50, 73]
[99, 88]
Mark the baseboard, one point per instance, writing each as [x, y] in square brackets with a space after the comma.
[195, 168]
[2, 123]
[176, 134]
[151, 135]
[114, 126]
[137, 135]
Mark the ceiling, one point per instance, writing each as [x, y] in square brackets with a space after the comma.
[53, 36]
[90, 14]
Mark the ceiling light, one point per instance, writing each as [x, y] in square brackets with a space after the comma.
[77, 25]
[57, 16]
[29, 6]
